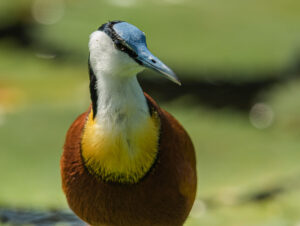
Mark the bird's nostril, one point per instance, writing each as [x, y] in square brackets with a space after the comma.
[153, 61]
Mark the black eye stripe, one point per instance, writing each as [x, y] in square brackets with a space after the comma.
[122, 47]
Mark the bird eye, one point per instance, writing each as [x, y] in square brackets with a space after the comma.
[121, 46]
[124, 48]
[118, 45]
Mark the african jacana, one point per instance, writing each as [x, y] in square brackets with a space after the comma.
[126, 161]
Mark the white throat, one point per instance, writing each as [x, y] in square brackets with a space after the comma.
[121, 103]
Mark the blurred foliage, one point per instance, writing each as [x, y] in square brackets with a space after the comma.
[40, 97]
[194, 36]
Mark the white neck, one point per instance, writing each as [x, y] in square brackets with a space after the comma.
[121, 103]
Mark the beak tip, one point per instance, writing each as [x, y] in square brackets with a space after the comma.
[178, 82]
[175, 79]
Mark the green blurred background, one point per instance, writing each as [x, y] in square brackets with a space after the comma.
[239, 62]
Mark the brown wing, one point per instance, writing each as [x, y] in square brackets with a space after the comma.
[71, 162]
[176, 143]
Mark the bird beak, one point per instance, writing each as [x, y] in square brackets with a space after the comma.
[152, 62]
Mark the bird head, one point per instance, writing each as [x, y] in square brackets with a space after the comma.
[118, 48]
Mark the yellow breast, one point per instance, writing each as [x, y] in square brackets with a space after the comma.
[122, 156]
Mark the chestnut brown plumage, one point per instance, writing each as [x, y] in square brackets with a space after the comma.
[164, 196]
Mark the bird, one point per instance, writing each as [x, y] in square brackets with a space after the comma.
[126, 161]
